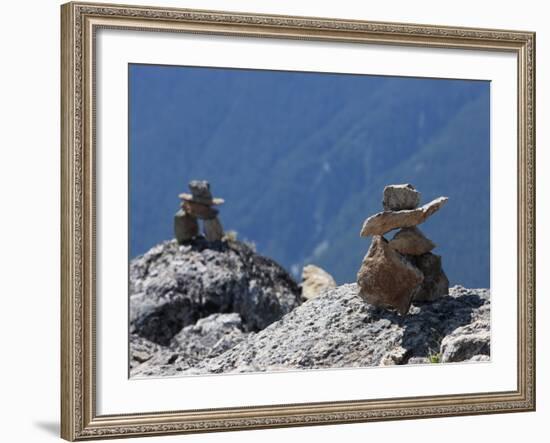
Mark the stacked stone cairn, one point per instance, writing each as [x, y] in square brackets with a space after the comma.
[397, 272]
[198, 205]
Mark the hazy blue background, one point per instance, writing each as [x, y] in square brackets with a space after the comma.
[302, 159]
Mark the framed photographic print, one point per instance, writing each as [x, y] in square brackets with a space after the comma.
[282, 221]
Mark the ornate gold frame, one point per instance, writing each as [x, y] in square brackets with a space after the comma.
[79, 21]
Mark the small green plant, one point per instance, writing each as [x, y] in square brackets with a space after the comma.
[434, 358]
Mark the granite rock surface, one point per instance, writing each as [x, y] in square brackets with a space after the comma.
[173, 286]
[338, 329]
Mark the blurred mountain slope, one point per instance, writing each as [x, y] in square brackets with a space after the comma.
[302, 158]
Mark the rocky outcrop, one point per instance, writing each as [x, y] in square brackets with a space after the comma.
[173, 286]
[337, 329]
[467, 342]
[203, 304]
[315, 280]
[209, 337]
[142, 350]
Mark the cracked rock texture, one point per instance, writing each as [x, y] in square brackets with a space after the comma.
[209, 337]
[173, 286]
[334, 330]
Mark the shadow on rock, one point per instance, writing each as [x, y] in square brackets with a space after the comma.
[428, 323]
[200, 243]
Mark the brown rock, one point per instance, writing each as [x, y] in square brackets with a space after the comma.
[399, 197]
[200, 210]
[185, 226]
[411, 241]
[315, 280]
[386, 221]
[386, 278]
[435, 283]
[213, 230]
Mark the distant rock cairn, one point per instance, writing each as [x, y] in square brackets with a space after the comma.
[395, 273]
[198, 205]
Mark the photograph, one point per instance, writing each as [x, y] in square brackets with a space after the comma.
[289, 221]
[280, 219]
[275, 221]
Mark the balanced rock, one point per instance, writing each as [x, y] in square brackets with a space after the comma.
[386, 278]
[199, 204]
[200, 210]
[185, 226]
[399, 197]
[315, 281]
[411, 241]
[382, 222]
[200, 193]
[435, 283]
[213, 230]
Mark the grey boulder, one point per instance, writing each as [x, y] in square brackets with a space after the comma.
[467, 342]
[173, 286]
[209, 337]
[142, 350]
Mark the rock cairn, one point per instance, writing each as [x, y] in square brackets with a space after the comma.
[397, 272]
[198, 205]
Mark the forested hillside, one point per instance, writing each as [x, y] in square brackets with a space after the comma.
[302, 158]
